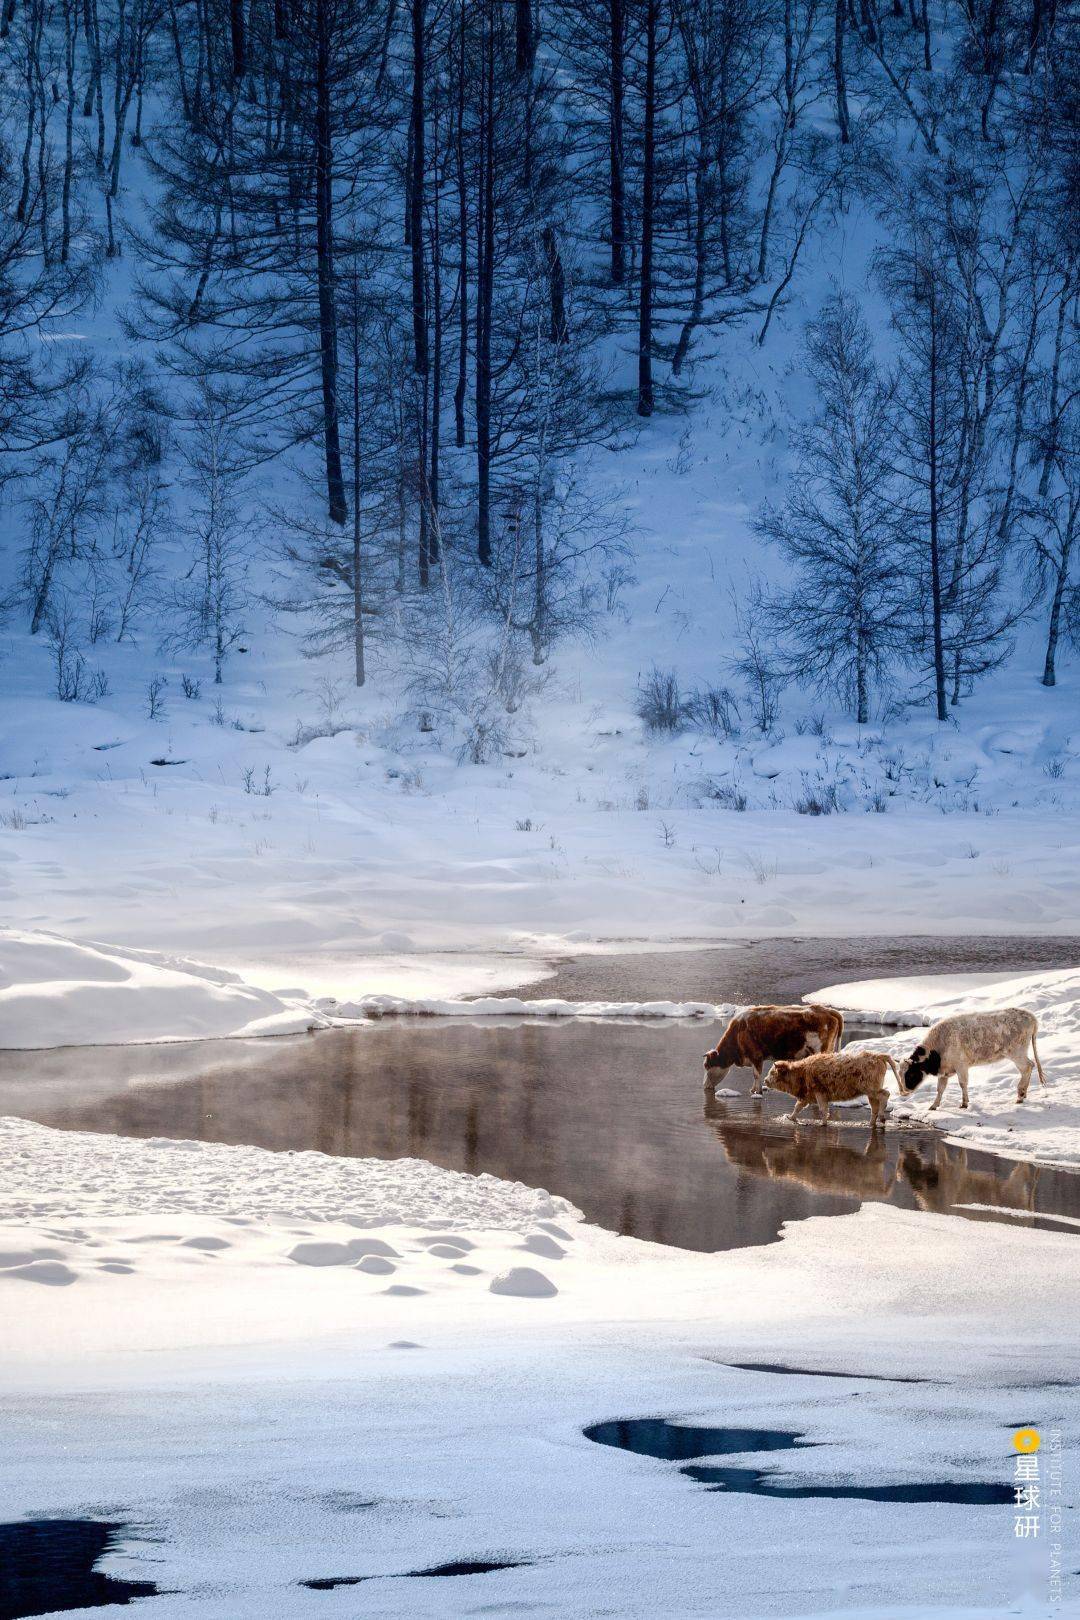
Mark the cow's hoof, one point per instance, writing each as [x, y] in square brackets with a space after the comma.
[965, 1105]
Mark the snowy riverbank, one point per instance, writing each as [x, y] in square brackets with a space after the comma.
[1046, 1126]
[57, 992]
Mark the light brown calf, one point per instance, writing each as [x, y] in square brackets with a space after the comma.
[836, 1077]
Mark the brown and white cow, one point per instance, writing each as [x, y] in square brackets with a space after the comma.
[955, 1045]
[761, 1034]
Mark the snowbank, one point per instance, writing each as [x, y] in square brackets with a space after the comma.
[111, 1245]
[57, 992]
[383, 1006]
[61, 992]
[81, 1175]
[1047, 1125]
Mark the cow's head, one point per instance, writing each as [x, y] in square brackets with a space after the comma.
[914, 1070]
[722, 1057]
[716, 1066]
[789, 1077]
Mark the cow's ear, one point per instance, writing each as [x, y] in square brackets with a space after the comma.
[918, 1054]
[933, 1063]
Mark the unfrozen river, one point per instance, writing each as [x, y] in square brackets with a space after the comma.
[609, 1114]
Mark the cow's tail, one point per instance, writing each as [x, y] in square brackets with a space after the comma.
[834, 1033]
[891, 1061]
[1035, 1055]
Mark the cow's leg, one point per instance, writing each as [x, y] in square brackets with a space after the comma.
[1023, 1060]
[755, 1089]
[942, 1083]
[713, 1078]
[823, 1106]
[796, 1111]
[962, 1076]
[879, 1102]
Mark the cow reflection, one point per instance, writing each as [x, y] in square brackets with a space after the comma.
[820, 1161]
[949, 1178]
[932, 1176]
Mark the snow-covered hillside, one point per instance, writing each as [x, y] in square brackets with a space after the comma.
[307, 833]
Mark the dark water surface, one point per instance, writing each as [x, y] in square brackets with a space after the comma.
[674, 1442]
[784, 970]
[609, 1114]
[47, 1566]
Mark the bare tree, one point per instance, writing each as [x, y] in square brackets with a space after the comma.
[836, 526]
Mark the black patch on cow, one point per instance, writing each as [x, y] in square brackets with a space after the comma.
[914, 1077]
[933, 1062]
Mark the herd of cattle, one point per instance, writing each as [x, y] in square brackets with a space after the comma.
[803, 1045]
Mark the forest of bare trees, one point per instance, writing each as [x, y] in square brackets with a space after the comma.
[442, 258]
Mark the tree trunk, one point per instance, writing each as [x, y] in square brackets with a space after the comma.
[648, 203]
[238, 37]
[1034, 35]
[463, 241]
[697, 302]
[33, 45]
[843, 118]
[416, 192]
[523, 35]
[178, 57]
[71, 29]
[862, 694]
[95, 66]
[357, 559]
[434, 532]
[617, 191]
[1051, 444]
[1049, 676]
[935, 538]
[928, 59]
[485, 292]
[324, 233]
[424, 546]
[559, 330]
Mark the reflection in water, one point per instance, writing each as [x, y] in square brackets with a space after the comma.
[929, 1178]
[607, 1114]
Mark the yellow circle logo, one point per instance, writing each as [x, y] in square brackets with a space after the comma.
[1027, 1440]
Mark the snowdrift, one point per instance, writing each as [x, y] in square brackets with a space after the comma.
[60, 992]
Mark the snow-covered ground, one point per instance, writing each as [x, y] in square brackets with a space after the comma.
[57, 992]
[281, 1369]
[403, 1361]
